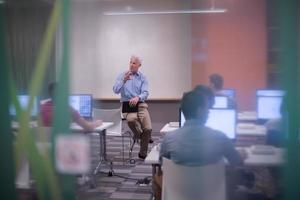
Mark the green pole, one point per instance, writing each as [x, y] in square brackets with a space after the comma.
[7, 167]
[289, 52]
[62, 110]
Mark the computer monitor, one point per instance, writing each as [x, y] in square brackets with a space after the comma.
[221, 102]
[223, 120]
[24, 100]
[229, 92]
[269, 103]
[181, 118]
[270, 93]
[82, 103]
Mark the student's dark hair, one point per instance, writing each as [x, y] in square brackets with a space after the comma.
[51, 89]
[208, 92]
[217, 81]
[190, 102]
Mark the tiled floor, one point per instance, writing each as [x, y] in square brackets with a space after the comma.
[123, 184]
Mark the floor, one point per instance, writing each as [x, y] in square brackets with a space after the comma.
[124, 182]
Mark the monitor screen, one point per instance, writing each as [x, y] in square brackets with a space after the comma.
[181, 118]
[221, 102]
[270, 93]
[269, 103]
[23, 100]
[82, 103]
[268, 107]
[223, 120]
[229, 92]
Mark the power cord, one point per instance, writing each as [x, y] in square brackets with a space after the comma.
[144, 181]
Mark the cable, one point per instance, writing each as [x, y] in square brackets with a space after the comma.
[145, 180]
[114, 174]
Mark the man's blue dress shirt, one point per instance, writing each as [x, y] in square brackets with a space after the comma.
[136, 86]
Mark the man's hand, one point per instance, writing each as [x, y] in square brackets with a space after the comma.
[127, 76]
[133, 101]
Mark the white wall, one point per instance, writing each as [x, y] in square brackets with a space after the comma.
[102, 45]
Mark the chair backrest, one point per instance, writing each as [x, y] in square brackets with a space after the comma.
[190, 183]
[110, 115]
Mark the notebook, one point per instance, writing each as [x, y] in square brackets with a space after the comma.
[126, 108]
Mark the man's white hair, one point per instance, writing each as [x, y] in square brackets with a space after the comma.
[137, 57]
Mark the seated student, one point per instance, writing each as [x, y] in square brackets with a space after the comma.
[198, 144]
[194, 144]
[216, 83]
[47, 112]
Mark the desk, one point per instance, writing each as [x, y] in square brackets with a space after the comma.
[23, 180]
[253, 160]
[275, 159]
[101, 130]
[250, 129]
[247, 116]
[255, 130]
[168, 128]
[15, 125]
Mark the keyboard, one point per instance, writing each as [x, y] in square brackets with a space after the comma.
[174, 124]
[246, 125]
[262, 150]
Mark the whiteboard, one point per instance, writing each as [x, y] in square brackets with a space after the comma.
[101, 47]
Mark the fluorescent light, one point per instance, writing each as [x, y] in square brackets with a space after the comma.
[167, 12]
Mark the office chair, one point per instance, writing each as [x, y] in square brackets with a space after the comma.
[193, 182]
[115, 116]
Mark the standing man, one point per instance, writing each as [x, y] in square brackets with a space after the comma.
[133, 86]
[216, 83]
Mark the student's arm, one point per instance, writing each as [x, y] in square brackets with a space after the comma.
[164, 152]
[230, 153]
[88, 126]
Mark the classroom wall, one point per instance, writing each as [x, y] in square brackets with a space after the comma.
[101, 46]
[232, 44]
[25, 26]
